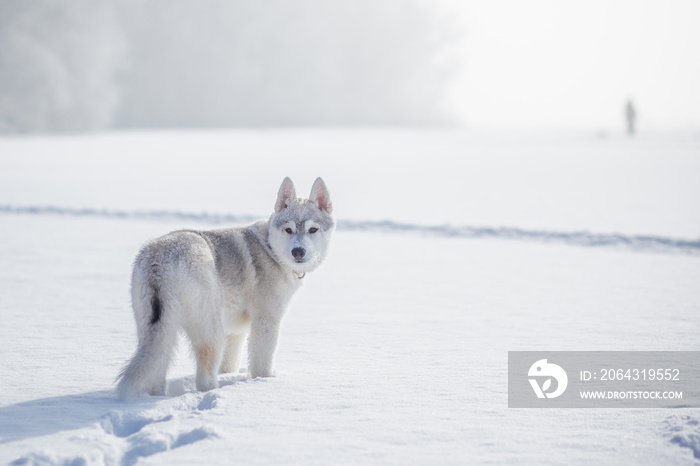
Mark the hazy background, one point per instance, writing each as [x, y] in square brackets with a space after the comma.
[481, 178]
[79, 65]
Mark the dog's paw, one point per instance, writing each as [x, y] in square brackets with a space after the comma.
[204, 385]
[263, 373]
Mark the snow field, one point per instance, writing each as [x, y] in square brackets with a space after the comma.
[533, 181]
[395, 350]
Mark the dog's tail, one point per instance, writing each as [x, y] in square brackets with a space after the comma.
[147, 369]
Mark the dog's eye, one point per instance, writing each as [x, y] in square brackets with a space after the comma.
[289, 231]
[313, 230]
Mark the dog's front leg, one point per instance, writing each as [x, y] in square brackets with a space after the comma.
[261, 346]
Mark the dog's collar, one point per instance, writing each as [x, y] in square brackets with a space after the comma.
[299, 275]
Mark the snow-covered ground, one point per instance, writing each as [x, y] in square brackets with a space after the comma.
[395, 350]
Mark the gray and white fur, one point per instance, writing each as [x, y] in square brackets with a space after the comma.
[220, 287]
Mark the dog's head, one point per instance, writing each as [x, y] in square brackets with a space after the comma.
[300, 229]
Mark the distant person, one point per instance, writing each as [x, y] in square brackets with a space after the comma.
[631, 116]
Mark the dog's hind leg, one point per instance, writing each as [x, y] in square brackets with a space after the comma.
[208, 360]
[208, 346]
[232, 354]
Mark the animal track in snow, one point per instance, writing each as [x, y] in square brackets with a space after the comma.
[685, 432]
[143, 444]
[138, 430]
[123, 424]
[147, 432]
[209, 401]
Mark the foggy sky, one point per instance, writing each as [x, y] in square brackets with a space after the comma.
[80, 65]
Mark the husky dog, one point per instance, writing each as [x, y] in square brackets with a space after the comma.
[219, 286]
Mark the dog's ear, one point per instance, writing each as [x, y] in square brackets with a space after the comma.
[285, 195]
[319, 195]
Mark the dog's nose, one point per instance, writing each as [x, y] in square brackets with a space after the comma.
[298, 253]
